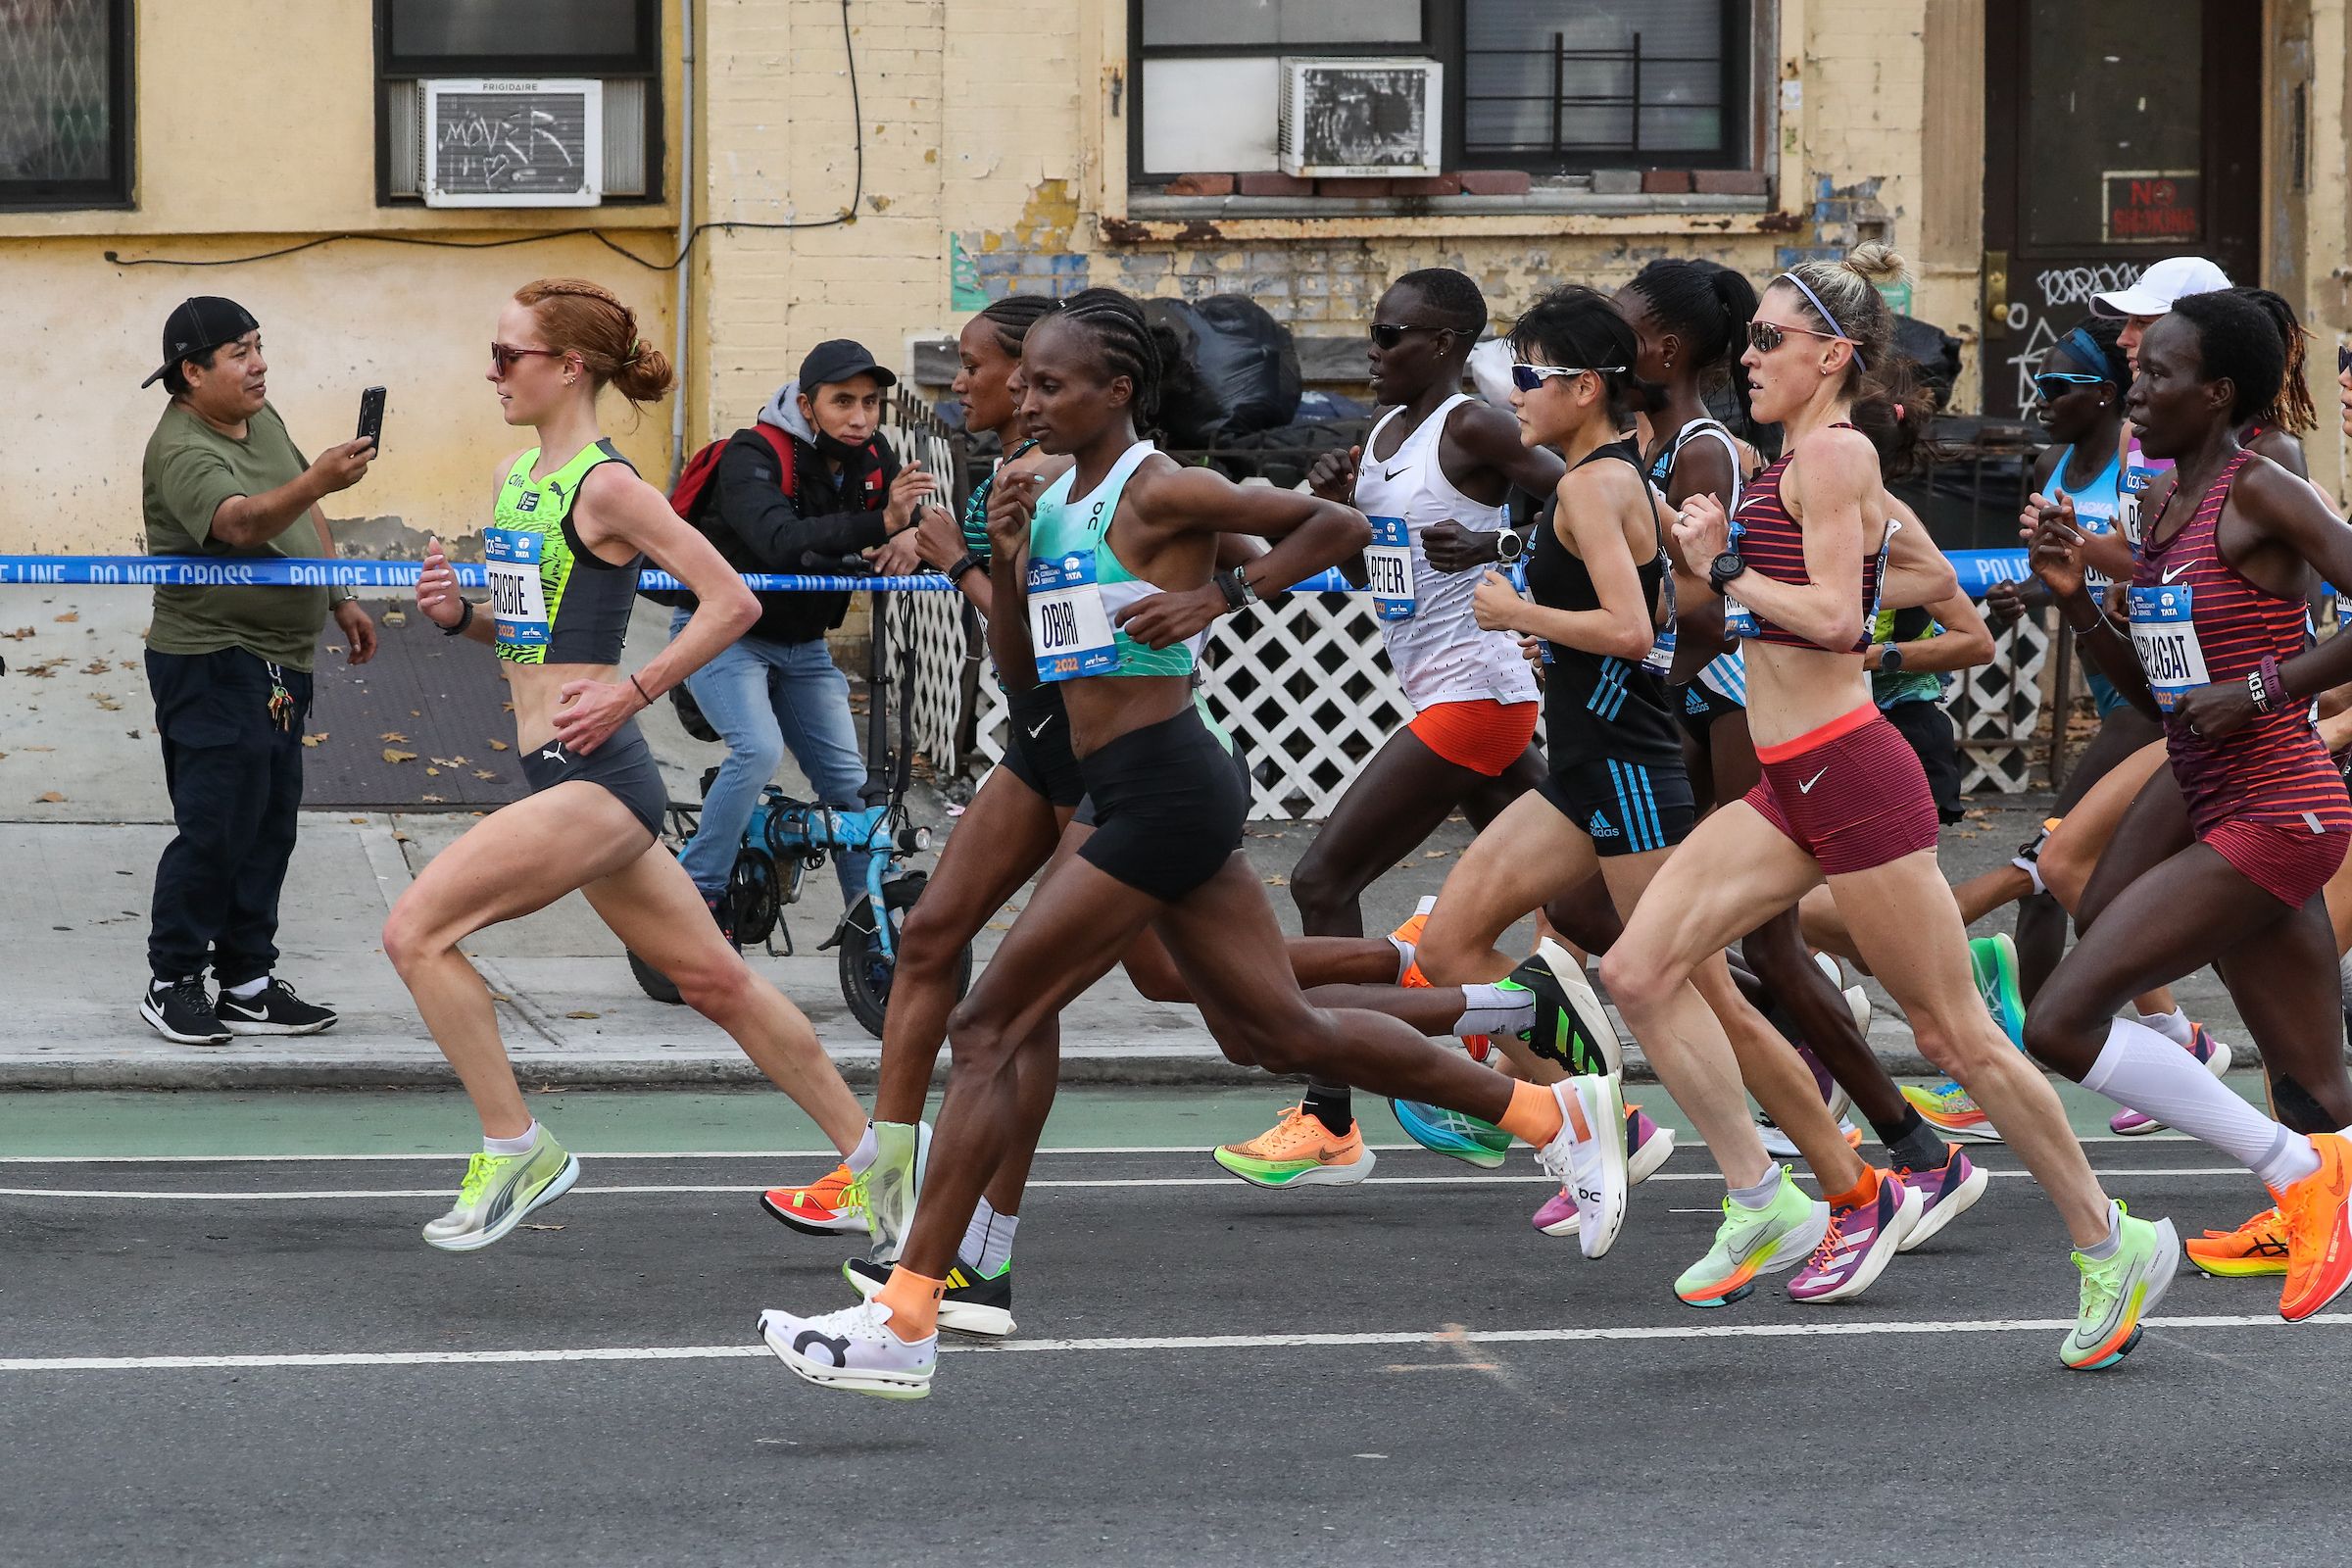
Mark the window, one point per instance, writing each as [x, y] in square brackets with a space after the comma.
[1549, 86]
[617, 42]
[65, 103]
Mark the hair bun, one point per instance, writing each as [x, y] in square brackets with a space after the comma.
[1877, 264]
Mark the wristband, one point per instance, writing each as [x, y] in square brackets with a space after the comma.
[1235, 587]
[968, 562]
[2274, 693]
[464, 620]
[649, 701]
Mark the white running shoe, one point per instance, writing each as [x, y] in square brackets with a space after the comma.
[1594, 1169]
[854, 1350]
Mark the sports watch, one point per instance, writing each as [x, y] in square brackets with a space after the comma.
[1723, 568]
[1508, 547]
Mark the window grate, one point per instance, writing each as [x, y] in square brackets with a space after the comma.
[63, 110]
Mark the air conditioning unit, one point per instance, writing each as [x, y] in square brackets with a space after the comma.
[509, 144]
[1352, 116]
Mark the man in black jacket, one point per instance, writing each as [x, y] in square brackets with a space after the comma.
[778, 689]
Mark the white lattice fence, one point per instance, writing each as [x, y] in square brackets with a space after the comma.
[929, 625]
[1998, 706]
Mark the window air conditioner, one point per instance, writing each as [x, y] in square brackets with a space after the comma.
[509, 143]
[1345, 117]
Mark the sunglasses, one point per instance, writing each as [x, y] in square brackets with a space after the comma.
[503, 358]
[1765, 336]
[2052, 385]
[1388, 334]
[1528, 377]
[2344, 359]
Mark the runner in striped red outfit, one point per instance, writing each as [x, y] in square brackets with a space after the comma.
[2218, 646]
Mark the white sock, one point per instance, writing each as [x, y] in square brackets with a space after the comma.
[2174, 1025]
[863, 1154]
[521, 1143]
[249, 990]
[1406, 950]
[2144, 1071]
[1493, 1010]
[988, 1239]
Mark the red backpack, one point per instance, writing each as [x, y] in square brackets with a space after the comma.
[695, 478]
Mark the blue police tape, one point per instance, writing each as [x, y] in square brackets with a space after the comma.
[1978, 569]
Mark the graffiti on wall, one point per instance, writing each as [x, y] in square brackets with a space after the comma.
[2064, 295]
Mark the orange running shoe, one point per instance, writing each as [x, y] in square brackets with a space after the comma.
[2319, 1230]
[1299, 1151]
[2258, 1246]
[831, 1205]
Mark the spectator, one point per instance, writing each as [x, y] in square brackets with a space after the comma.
[818, 481]
[230, 669]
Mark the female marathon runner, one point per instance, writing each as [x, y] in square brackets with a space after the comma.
[1114, 542]
[571, 525]
[1617, 799]
[1844, 796]
[2228, 871]
[1691, 319]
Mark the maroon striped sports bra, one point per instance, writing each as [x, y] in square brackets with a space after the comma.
[1773, 542]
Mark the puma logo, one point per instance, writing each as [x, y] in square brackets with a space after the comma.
[555, 753]
[1806, 788]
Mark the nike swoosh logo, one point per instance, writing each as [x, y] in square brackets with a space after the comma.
[1758, 1240]
[1806, 788]
[1390, 473]
[2177, 571]
[1040, 728]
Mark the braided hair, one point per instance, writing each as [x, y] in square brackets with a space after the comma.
[1125, 340]
[1013, 316]
[577, 317]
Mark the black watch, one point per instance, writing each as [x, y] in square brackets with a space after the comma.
[1236, 588]
[1890, 657]
[1723, 568]
[969, 560]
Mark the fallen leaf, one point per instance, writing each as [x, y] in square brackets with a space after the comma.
[498, 746]
[480, 772]
[1434, 855]
[18, 635]
[391, 735]
[68, 616]
[582, 1012]
[106, 702]
[447, 762]
[1278, 881]
[313, 739]
[96, 666]
[435, 798]
[415, 713]
[509, 707]
[48, 798]
[401, 838]
[359, 821]
[396, 618]
[40, 748]
[391, 756]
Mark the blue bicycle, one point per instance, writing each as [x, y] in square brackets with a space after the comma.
[788, 838]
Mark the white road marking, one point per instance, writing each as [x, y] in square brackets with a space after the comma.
[1825, 1328]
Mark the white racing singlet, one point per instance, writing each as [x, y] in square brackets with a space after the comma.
[1436, 647]
[1726, 674]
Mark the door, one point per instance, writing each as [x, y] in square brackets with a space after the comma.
[2116, 132]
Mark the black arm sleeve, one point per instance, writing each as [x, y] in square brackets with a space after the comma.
[748, 503]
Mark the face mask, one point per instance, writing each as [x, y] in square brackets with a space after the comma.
[834, 450]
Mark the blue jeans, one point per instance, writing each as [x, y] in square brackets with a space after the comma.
[766, 698]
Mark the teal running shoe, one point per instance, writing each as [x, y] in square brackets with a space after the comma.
[2118, 1292]
[499, 1191]
[1994, 959]
[1754, 1241]
[1453, 1132]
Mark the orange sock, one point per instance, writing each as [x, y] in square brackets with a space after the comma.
[1864, 1191]
[913, 1302]
[1533, 1114]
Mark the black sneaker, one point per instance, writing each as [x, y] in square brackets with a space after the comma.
[180, 1010]
[274, 1010]
[970, 1305]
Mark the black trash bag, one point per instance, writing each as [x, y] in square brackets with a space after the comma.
[1282, 456]
[1934, 351]
[1245, 368]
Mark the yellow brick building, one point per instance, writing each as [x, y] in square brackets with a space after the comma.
[2004, 145]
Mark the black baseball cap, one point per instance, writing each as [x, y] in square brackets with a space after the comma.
[838, 359]
[195, 325]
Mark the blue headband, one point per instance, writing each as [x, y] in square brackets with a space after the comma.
[1827, 318]
[2088, 352]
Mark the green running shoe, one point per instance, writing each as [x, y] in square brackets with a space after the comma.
[1754, 1241]
[902, 1151]
[2121, 1291]
[1994, 959]
[499, 1191]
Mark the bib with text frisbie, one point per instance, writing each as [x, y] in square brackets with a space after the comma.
[1389, 560]
[510, 560]
[2164, 634]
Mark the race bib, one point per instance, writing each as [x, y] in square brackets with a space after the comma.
[1070, 630]
[2165, 638]
[1390, 558]
[518, 602]
[2127, 506]
[1738, 620]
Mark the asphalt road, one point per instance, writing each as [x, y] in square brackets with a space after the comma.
[1398, 1372]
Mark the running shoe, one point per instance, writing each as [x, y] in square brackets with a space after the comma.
[1408, 935]
[1781, 1146]
[499, 1190]
[970, 1305]
[2319, 1230]
[1646, 1146]
[1949, 1108]
[1994, 958]
[1571, 1027]
[1299, 1151]
[902, 1153]
[181, 1011]
[2028, 857]
[274, 1009]
[2214, 1055]
[834, 1204]
[2119, 1292]
[1453, 1132]
[1861, 1240]
[1753, 1242]
[1947, 1192]
[852, 1349]
[2258, 1246]
[1593, 1170]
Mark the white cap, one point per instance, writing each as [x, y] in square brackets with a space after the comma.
[2163, 282]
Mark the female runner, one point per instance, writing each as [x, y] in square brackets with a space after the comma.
[1843, 796]
[1121, 544]
[571, 523]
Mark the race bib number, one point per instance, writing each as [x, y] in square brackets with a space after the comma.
[2165, 638]
[1070, 630]
[1389, 560]
[518, 602]
[2126, 505]
[1738, 620]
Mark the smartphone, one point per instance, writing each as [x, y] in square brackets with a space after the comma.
[371, 417]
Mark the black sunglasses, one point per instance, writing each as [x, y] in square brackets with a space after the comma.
[2344, 359]
[1388, 334]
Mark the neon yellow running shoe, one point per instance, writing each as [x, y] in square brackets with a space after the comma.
[499, 1190]
[2120, 1291]
[1754, 1241]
